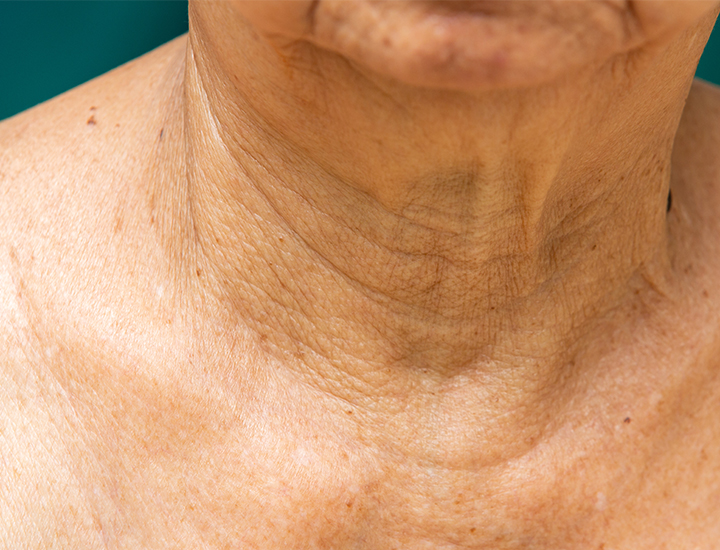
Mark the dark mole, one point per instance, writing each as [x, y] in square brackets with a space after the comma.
[627, 420]
[91, 120]
[669, 203]
[198, 271]
[472, 529]
[162, 130]
[349, 412]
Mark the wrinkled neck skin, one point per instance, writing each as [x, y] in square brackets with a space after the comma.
[381, 241]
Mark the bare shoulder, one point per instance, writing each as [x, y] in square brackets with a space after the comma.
[699, 132]
[66, 169]
[696, 164]
[84, 134]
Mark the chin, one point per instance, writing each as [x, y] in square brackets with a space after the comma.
[476, 45]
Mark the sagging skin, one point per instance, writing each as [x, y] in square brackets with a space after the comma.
[342, 275]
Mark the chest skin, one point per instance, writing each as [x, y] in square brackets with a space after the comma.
[95, 454]
[168, 465]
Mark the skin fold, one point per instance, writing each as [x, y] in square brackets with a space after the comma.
[370, 275]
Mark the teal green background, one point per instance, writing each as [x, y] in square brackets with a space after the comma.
[47, 47]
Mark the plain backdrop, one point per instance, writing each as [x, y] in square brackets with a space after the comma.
[48, 47]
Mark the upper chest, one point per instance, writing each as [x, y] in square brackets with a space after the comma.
[169, 471]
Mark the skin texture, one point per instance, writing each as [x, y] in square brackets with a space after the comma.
[346, 276]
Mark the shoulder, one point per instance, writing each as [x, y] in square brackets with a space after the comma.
[696, 161]
[66, 168]
[699, 128]
[83, 141]
[704, 94]
[87, 132]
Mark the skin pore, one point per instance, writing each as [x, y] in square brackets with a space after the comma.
[376, 283]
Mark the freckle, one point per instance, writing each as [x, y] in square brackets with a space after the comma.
[705, 293]
[91, 120]
[349, 412]
[472, 529]
[627, 420]
[349, 504]
[197, 272]
[93, 108]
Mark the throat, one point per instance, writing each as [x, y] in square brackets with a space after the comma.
[418, 243]
[341, 283]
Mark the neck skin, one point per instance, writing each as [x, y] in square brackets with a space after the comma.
[380, 239]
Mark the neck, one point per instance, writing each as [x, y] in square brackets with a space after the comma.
[358, 225]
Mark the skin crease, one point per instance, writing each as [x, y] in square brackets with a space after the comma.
[342, 275]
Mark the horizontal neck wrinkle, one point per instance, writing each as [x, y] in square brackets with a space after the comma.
[500, 249]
